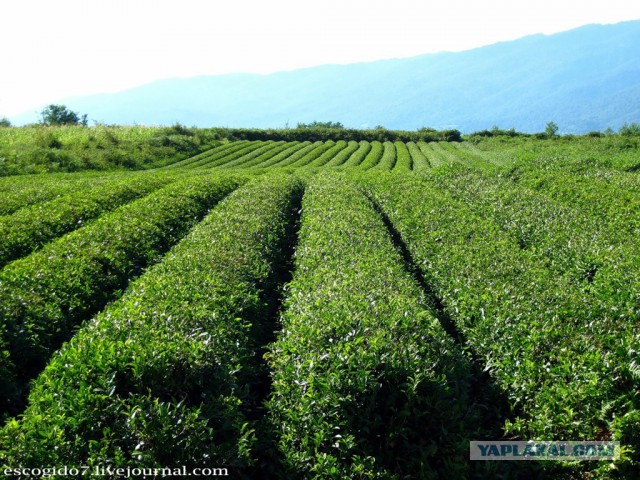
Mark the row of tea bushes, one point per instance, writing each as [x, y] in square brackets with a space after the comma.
[258, 157]
[285, 158]
[45, 295]
[342, 156]
[566, 367]
[220, 157]
[373, 157]
[163, 376]
[328, 155]
[17, 192]
[388, 159]
[420, 161]
[211, 155]
[318, 151]
[31, 227]
[366, 383]
[262, 150]
[358, 156]
[404, 163]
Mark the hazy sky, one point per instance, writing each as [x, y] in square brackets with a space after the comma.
[55, 49]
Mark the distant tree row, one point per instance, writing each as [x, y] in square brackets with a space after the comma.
[337, 125]
[551, 131]
[329, 130]
[323, 131]
[314, 131]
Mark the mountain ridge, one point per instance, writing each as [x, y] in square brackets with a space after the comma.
[583, 79]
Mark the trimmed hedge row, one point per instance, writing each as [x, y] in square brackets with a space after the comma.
[373, 157]
[609, 195]
[211, 155]
[283, 151]
[366, 383]
[164, 376]
[227, 155]
[564, 227]
[285, 158]
[464, 157]
[420, 161]
[310, 157]
[435, 159]
[590, 247]
[263, 150]
[591, 244]
[404, 164]
[358, 156]
[342, 156]
[328, 155]
[565, 359]
[46, 294]
[388, 159]
[31, 227]
[20, 192]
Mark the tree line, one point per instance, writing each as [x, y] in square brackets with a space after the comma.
[53, 115]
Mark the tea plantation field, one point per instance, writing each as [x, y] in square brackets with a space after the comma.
[325, 309]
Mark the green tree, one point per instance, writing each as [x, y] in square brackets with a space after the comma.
[630, 129]
[551, 130]
[4, 122]
[61, 115]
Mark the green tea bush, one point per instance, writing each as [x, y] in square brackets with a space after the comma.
[292, 148]
[342, 156]
[16, 193]
[217, 152]
[559, 354]
[258, 157]
[328, 155]
[265, 150]
[388, 159]
[45, 295]
[31, 227]
[358, 156]
[420, 161]
[318, 152]
[404, 164]
[164, 376]
[366, 383]
[310, 149]
[220, 158]
[373, 157]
